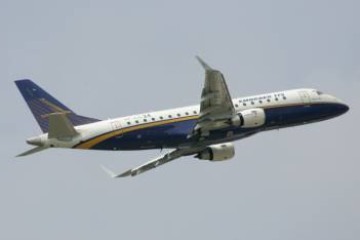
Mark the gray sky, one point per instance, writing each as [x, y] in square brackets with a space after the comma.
[115, 58]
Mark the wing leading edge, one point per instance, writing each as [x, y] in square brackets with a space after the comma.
[168, 157]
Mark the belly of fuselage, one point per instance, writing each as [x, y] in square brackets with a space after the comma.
[174, 134]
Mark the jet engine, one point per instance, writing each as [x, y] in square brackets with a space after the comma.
[217, 152]
[249, 118]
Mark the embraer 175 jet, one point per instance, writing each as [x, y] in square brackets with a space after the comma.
[206, 131]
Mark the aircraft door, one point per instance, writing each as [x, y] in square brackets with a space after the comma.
[116, 125]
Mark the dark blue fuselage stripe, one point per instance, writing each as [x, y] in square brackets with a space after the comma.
[173, 134]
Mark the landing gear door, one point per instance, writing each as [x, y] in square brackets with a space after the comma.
[305, 97]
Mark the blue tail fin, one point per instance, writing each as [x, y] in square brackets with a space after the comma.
[41, 104]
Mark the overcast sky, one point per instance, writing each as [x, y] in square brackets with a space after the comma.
[108, 59]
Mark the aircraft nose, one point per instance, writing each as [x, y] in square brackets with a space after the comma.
[342, 108]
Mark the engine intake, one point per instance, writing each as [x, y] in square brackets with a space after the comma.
[217, 152]
[249, 118]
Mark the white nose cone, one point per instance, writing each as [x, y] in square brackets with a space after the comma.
[35, 141]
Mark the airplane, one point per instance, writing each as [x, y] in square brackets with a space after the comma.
[206, 131]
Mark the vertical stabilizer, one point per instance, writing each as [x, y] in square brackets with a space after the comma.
[42, 104]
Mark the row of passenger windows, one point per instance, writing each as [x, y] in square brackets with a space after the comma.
[195, 112]
[260, 101]
[160, 118]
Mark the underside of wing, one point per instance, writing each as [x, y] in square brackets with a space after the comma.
[177, 153]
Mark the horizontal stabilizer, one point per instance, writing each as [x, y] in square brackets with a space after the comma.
[31, 151]
[60, 126]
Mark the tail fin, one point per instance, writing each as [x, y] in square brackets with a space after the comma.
[42, 104]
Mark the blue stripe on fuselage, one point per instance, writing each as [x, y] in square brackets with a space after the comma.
[171, 135]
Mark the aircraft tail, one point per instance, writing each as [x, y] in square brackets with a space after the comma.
[42, 104]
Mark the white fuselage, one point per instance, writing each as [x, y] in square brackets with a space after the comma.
[119, 125]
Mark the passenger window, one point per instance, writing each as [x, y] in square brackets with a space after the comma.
[178, 115]
[153, 119]
[145, 120]
[252, 103]
[195, 112]
[236, 105]
[186, 113]
[284, 97]
[137, 121]
[260, 101]
[128, 123]
[268, 100]
[244, 104]
[276, 99]
[170, 116]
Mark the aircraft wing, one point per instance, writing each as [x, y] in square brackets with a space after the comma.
[177, 153]
[216, 109]
[216, 103]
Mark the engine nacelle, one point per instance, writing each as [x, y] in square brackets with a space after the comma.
[249, 118]
[217, 152]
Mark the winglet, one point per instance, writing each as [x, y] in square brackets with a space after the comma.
[114, 175]
[108, 171]
[203, 64]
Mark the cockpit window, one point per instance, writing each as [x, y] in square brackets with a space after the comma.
[319, 92]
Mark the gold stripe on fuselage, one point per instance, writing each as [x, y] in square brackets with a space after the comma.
[92, 142]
